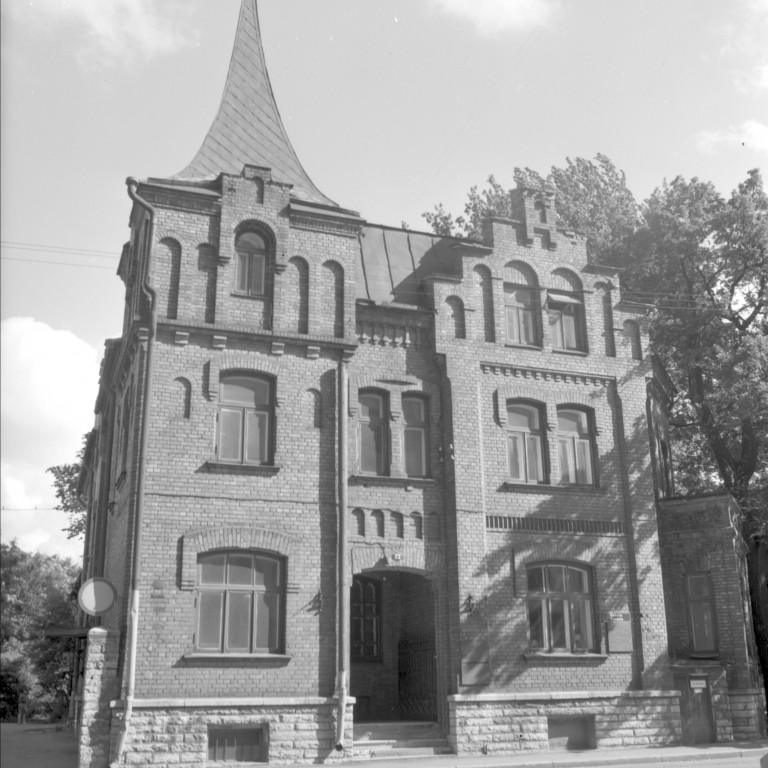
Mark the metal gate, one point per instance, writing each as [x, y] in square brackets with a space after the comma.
[417, 679]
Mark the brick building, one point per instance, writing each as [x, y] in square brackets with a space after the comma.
[351, 481]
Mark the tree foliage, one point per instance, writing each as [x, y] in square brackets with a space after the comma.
[592, 198]
[36, 592]
[65, 477]
[701, 262]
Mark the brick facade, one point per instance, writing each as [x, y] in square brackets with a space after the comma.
[456, 553]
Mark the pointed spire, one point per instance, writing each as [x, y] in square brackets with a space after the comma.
[247, 128]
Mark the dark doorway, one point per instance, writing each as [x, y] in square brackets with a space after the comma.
[392, 634]
[696, 709]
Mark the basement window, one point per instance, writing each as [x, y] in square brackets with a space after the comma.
[237, 744]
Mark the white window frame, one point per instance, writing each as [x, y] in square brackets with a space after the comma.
[262, 412]
[566, 317]
[251, 265]
[228, 591]
[419, 428]
[527, 440]
[516, 313]
[380, 424]
[576, 450]
[561, 612]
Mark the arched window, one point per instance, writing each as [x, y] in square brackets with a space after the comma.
[365, 632]
[373, 433]
[524, 443]
[251, 264]
[521, 304]
[415, 436]
[560, 608]
[240, 602]
[575, 447]
[246, 419]
[565, 311]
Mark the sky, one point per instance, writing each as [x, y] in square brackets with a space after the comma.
[392, 107]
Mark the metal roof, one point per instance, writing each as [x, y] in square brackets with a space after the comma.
[247, 128]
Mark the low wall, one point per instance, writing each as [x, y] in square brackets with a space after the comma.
[512, 722]
[748, 716]
[173, 733]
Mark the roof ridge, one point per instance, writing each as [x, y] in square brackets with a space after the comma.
[247, 129]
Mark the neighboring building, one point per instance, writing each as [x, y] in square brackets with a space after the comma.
[357, 469]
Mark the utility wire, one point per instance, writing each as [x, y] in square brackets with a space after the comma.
[21, 246]
[56, 263]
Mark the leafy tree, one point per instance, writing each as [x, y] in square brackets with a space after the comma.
[701, 262]
[592, 197]
[36, 592]
[65, 477]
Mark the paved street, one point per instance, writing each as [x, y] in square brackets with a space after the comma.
[37, 746]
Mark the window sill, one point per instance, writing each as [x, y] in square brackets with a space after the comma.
[515, 485]
[531, 347]
[214, 465]
[576, 352]
[236, 657]
[541, 657]
[404, 482]
[259, 296]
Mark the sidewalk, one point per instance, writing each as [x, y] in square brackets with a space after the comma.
[37, 745]
[753, 755]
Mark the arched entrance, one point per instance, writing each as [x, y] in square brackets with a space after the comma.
[392, 647]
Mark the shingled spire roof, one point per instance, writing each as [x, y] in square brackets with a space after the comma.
[247, 128]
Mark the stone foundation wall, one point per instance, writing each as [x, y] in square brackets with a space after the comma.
[506, 723]
[99, 688]
[748, 715]
[173, 733]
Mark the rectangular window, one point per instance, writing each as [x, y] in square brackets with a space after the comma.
[373, 435]
[524, 443]
[564, 313]
[560, 615]
[415, 436]
[239, 603]
[250, 264]
[574, 447]
[519, 315]
[245, 417]
[701, 615]
[237, 745]
[365, 630]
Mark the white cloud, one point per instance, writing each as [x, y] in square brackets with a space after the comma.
[492, 16]
[110, 31]
[750, 135]
[745, 47]
[49, 385]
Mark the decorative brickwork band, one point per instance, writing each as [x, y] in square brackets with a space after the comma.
[541, 374]
[228, 537]
[551, 525]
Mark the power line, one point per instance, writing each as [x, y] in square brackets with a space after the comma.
[19, 245]
[56, 263]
